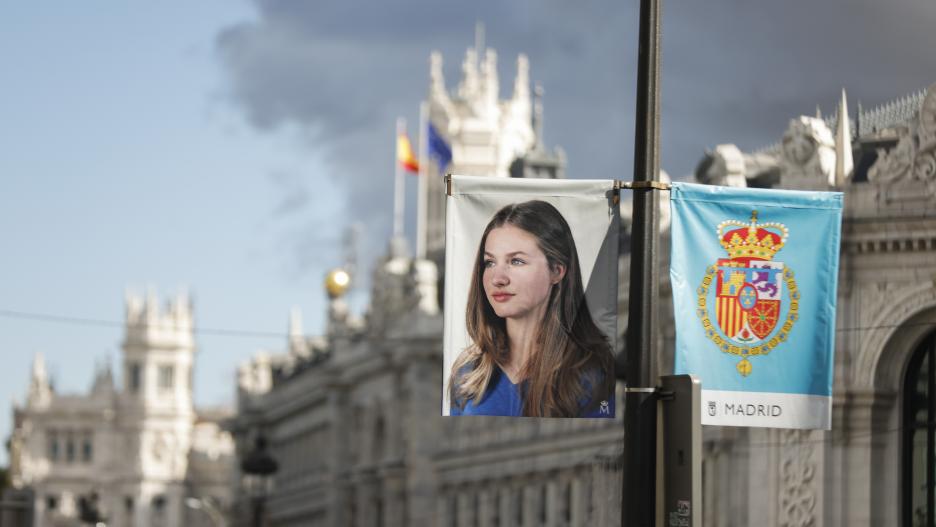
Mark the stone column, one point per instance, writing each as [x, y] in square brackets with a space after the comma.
[465, 507]
[862, 476]
[337, 460]
[394, 501]
[39, 507]
[553, 501]
[505, 505]
[579, 500]
[443, 508]
[531, 505]
[487, 503]
[423, 438]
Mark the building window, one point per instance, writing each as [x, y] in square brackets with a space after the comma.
[380, 437]
[919, 435]
[87, 449]
[166, 377]
[518, 506]
[69, 448]
[379, 511]
[159, 508]
[541, 492]
[53, 446]
[51, 502]
[135, 380]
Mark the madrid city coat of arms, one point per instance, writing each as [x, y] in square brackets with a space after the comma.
[749, 291]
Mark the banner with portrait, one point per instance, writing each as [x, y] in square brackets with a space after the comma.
[530, 297]
[754, 276]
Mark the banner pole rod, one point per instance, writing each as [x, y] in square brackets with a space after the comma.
[638, 503]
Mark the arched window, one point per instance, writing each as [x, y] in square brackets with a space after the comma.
[919, 436]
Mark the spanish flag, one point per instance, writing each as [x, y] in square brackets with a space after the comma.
[404, 154]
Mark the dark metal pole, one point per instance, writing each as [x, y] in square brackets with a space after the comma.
[258, 511]
[638, 505]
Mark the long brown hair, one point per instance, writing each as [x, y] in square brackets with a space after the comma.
[570, 354]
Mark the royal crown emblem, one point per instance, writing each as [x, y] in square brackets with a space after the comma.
[749, 285]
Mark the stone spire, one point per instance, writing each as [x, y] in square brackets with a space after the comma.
[521, 91]
[843, 147]
[297, 342]
[103, 379]
[436, 78]
[40, 391]
[469, 86]
[538, 117]
[490, 80]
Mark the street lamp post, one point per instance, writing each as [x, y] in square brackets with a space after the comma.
[639, 485]
[259, 469]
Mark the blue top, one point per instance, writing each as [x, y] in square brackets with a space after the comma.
[504, 398]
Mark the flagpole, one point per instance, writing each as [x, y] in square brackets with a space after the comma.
[422, 192]
[398, 195]
[638, 501]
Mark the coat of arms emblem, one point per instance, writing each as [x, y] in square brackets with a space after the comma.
[749, 291]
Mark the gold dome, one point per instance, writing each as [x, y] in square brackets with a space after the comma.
[337, 282]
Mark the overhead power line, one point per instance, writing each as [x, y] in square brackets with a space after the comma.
[82, 321]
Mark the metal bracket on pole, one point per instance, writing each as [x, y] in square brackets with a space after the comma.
[448, 184]
[679, 452]
[642, 185]
[639, 390]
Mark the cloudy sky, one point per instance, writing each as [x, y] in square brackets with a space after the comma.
[225, 146]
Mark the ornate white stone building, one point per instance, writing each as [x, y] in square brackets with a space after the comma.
[136, 452]
[876, 466]
[353, 416]
[488, 136]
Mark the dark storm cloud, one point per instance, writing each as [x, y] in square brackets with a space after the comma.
[733, 71]
[739, 71]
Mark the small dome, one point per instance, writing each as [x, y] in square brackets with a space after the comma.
[337, 282]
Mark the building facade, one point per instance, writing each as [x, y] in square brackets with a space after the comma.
[488, 136]
[353, 416]
[136, 455]
[876, 465]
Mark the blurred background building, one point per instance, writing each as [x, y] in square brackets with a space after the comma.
[876, 465]
[354, 414]
[135, 455]
[351, 418]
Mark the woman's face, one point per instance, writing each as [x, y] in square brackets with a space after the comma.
[517, 277]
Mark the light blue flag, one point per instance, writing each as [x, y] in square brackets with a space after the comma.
[754, 276]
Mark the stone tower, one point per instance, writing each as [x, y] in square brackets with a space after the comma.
[158, 413]
[486, 134]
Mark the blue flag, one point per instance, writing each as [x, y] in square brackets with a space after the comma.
[754, 275]
[438, 148]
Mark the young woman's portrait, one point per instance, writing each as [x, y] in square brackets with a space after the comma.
[534, 349]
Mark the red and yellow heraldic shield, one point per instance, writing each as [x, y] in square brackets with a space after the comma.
[747, 299]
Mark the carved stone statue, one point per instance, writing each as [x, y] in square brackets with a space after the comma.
[914, 156]
[726, 167]
[807, 160]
